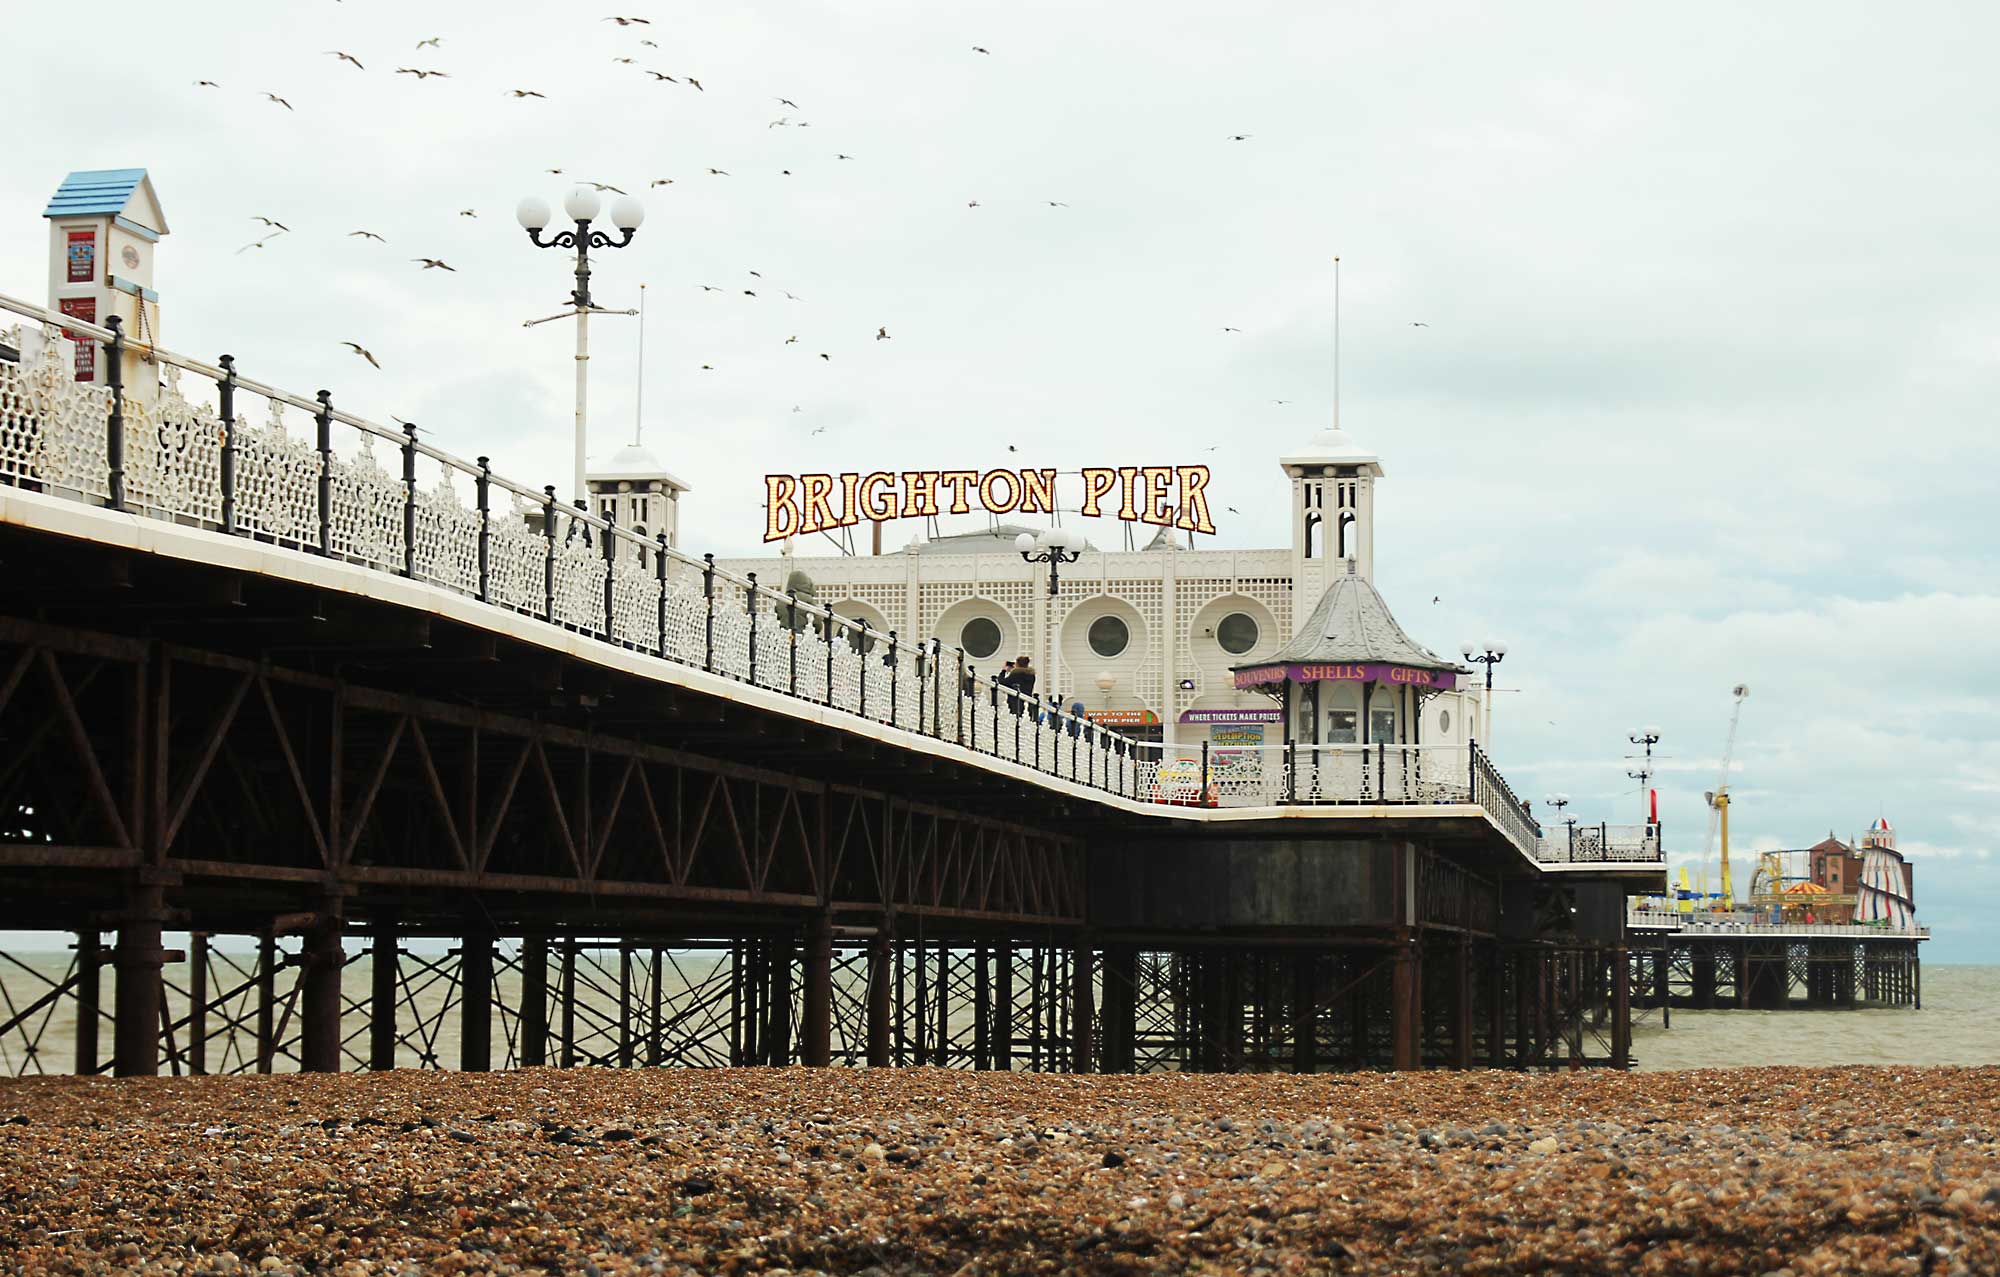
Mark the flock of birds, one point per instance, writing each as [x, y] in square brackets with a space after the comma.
[273, 228]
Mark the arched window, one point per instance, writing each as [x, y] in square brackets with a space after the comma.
[1312, 534]
[1347, 537]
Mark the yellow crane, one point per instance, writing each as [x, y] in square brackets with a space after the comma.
[1718, 798]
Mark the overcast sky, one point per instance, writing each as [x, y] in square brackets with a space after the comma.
[1704, 393]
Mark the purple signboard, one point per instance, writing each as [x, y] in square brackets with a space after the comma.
[1366, 672]
[1232, 715]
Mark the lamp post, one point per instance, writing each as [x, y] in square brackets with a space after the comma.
[1488, 654]
[1647, 736]
[1054, 547]
[581, 206]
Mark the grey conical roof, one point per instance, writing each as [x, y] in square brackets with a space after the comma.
[1351, 624]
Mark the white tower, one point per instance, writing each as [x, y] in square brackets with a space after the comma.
[639, 494]
[104, 225]
[1333, 513]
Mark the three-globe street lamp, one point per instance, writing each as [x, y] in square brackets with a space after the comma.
[1488, 654]
[1054, 547]
[581, 205]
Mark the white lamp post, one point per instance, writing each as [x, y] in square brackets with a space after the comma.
[1055, 547]
[581, 206]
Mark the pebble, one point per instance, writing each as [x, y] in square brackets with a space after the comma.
[1817, 1173]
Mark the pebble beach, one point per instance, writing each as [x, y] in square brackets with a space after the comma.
[1753, 1171]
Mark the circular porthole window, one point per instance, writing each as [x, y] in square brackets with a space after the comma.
[1237, 634]
[1109, 636]
[1444, 720]
[980, 638]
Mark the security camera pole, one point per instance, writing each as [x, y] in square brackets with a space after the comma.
[581, 205]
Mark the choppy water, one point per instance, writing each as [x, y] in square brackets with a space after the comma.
[1960, 1024]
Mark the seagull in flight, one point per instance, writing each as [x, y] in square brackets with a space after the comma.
[661, 75]
[421, 75]
[362, 351]
[696, 83]
[280, 101]
[605, 186]
[882, 333]
[431, 43]
[627, 61]
[972, 203]
[366, 235]
[659, 181]
[1055, 203]
[1281, 401]
[819, 430]
[1232, 509]
[1240, 137]
[788, 102]
[790, 296]
[466, 212]
[977, 49]
[527, 93]
[791, 339]
[1226, 328]
[257, 243]
[650, 44]
[432, 263]
[347, 57]
[710, 288]
[552, 170]
[716, 172]
[843, 157]
[825, 356]
[1418, 324]
[206, 84]
[274, 225]
[627, 22]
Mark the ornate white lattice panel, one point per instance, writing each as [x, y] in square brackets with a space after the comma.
[447, 537]
[277, 480]
[516, 553]
[173, 456]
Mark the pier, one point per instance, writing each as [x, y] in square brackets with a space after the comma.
[364, 719]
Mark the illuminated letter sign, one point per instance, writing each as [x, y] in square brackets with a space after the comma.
[1166, 496]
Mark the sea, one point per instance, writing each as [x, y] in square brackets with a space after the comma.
[1958, 1025]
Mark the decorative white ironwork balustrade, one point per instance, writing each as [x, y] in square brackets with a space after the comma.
[1574, 843]
[303, 474]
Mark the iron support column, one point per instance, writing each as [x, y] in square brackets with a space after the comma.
[1621, 1008]
[1305, 1020]
[534, 1001]
[135, 1027]
[879, 991]
[817, 1048]
[319, 994]
[383, 958]
[1461, 1024]
[89, 994]
[1406, 1006]
[1001, 1040]
[1081, 1012]
[475, 983]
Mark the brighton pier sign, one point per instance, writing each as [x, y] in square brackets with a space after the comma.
[797, 505]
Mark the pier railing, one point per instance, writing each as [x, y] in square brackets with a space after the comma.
[234, 455]
[1653, 917]
[1574, 843]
